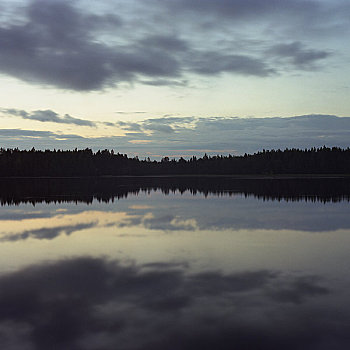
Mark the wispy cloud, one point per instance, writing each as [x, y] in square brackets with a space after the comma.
[195, 135]
[47, 116]
[48, 232]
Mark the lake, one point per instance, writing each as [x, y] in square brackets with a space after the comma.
[175, 263]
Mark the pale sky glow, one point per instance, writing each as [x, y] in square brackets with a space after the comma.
[110, 74]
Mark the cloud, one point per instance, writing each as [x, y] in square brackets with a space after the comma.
[48, 232]
[168, 43]
[299, 289]
[241, 10]
[240, 135]
[10, 133]
[130, 126]
[165, 125]
[298, 196]
[212, 63]
[47, 116]
[106, 304]
[299, 56]
[166, 222]
[188, 136]
[19, 215]
[52, 51]
[171, 120]
[140, 142]
[279, 13]
[167, 129]
[27, 139]
[78, 47]
[57, 46]
[165, 82]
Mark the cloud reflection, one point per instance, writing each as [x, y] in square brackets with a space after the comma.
[92, 303]
[48, 232]
[171, 214]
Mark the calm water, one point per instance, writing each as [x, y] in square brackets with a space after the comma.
[175, 264]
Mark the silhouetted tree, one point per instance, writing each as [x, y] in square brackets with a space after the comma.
[324, 160]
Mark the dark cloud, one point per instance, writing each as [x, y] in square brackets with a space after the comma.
[167, 129]
[27, 139]
[171, 120]
[168, 43]
[165, 82]
[106, 304]
[243, 9]
[10, 133]
[60, 44]
[166, 125]
[20, 215]
[298, 55]
[52, 51]
[130, 126]
[47, 116]
[108, 124]
[289, 18]
[212, 63]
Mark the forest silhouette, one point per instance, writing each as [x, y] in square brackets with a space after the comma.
[110, 189]
[85, 162]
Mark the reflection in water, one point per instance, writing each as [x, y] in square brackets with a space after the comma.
[47, 232]
[171, 213]
[15, 191]
[199, 264]
[89, 303]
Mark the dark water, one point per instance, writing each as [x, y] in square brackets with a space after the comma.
[175, 263]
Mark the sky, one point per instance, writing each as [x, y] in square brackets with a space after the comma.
[174, 77]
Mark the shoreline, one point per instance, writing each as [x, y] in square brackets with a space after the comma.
[243, 176]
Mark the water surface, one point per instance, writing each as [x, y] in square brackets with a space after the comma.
[159, 263]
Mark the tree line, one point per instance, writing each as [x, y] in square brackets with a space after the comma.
[110, 189]
[85, 162]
